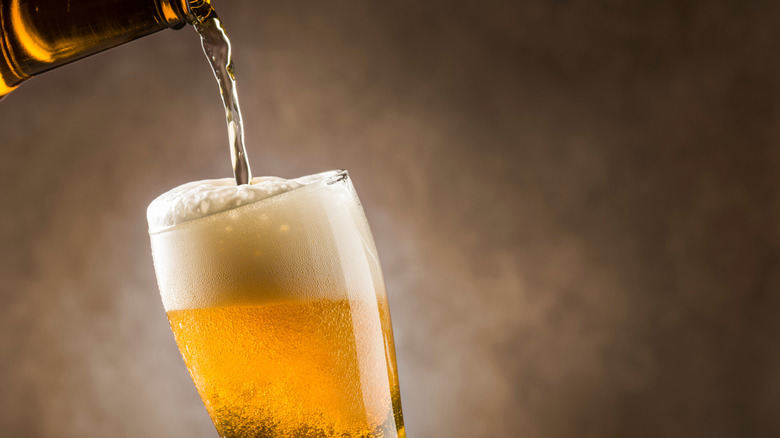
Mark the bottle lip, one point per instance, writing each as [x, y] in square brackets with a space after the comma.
[198, 10]
[177, 13]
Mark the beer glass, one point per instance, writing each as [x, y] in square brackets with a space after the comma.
[279, 309]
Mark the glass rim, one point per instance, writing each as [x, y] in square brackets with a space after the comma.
[319, 180]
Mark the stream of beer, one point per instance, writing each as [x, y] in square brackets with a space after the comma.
[216, 46]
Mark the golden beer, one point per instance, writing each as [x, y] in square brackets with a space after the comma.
[279, 309]
[292, 368]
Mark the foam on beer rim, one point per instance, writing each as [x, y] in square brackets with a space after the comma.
[199, 199]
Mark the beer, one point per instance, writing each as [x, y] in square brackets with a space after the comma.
[276, 299]
[216, 46]
[40, 35]
[292, 368]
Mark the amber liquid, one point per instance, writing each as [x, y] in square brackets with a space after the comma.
[297, 369]
[216, 46]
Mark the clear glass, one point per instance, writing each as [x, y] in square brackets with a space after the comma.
[280, 312]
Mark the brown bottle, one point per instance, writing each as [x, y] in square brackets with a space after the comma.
[40, 35]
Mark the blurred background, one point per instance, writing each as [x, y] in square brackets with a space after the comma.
[575, 203]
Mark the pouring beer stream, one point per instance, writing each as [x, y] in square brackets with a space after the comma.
[272, 287]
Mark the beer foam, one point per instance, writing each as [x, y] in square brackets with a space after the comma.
[215, 245]
[198, 199]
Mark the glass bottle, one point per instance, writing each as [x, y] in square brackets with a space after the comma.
[40, 35]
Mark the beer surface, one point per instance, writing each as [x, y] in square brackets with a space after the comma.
[300, 368]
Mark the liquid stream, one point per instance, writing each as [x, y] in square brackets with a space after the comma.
[216, 46]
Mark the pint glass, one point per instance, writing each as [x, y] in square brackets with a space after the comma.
[276, 299]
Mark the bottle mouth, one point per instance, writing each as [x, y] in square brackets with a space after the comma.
[177, 13]
[198, 11]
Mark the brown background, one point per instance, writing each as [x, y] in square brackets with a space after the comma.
[575, 203]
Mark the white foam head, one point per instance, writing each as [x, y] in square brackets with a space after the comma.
[216, 244]
[198, 199]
